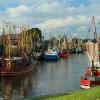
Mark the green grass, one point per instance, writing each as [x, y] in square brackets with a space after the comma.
[90, 94]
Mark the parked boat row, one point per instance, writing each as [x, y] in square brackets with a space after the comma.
[15, 57]
[20, 52]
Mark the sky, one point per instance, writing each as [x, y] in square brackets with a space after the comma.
[53, 17]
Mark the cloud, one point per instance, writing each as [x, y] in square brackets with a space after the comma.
[50, 7]
[62, 22]
[18, 15]
[19, 11]
[74, 15]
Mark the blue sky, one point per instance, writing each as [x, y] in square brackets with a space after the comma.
[55, 16]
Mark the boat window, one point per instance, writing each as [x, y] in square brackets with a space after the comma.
[90, 78]
[97, 79]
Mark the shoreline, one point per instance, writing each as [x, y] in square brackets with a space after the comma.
[88, 94]
[56, 94]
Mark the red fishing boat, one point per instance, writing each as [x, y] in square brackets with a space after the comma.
[64, 46]
[92, 76]
[90, 79]
[16, 54]
[64, 55]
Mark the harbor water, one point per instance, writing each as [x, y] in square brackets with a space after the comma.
[48, 79]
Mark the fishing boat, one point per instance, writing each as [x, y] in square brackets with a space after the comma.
[64, 46]
[79, 49]
[15, 58]
[64, 56]
[92, 76]
[22, 67]
[51, 55]
[52, 52]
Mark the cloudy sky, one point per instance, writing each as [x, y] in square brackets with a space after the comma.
[51, 16]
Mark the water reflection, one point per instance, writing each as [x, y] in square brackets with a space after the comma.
[16, 88]
[50, 78]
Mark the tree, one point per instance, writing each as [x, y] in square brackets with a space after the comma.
[36, 34]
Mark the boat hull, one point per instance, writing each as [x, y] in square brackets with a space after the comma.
[6, 72]
[51, 57]
[85, 86]
[86, 83]
[64, 56]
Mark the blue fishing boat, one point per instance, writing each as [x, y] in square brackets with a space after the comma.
[51, 55]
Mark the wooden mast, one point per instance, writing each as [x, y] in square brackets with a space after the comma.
[95, 32]
[26, 39]
[9, 50]
[29, 45]
[3, 38]
[22, 42]
[96, 44]
[93, 47]
[30, 39]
